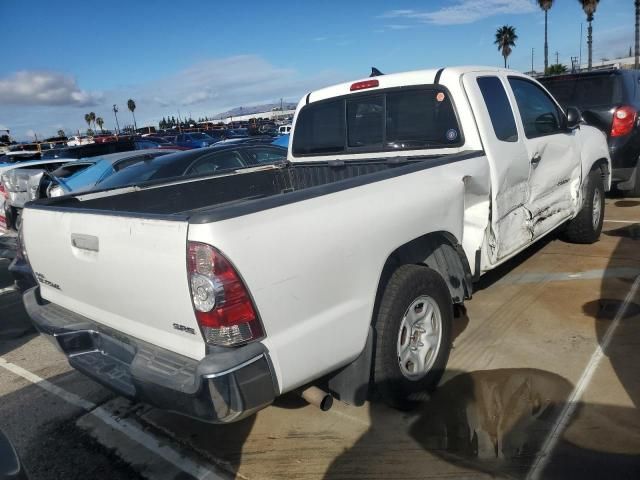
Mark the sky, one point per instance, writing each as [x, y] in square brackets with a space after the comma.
[62, 59]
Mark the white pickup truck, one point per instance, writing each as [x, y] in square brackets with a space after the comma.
[340, 268]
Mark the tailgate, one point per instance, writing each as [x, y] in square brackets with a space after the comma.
[126, 273]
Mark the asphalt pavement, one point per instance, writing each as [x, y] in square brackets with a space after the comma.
[542, 383]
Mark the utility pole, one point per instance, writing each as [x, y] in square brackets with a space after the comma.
[637, 62]
[580, 59]
[532, 49]
[557, 61]
[574, 62]
[115, 113]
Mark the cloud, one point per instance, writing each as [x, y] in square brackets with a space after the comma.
[44, 88]
[396, 26]
[205, 88]
[223, 81]
[464, 11]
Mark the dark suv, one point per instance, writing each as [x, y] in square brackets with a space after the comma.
[609, 100]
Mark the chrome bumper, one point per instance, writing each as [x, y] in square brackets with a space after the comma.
[227, 385]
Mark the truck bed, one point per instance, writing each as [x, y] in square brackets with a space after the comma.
[217, 198]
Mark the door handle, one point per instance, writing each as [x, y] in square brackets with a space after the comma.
[535, 160]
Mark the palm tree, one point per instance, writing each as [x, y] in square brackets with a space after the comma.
[100, 122]
[61, 133]
[505, 39]
[637, 64]
[556, 69]
[545, 5]
[131, 105]
[87, 118]
[589, 7]
[92, 115]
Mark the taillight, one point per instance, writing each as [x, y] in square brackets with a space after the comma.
[220, 299]
[364, 85]
[624, 119]
[3, 192]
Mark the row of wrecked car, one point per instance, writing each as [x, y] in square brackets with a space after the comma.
[101, 166]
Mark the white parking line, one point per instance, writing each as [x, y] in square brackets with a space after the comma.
[622, 221]
[7, 290]
[544, 455]
[189, 466]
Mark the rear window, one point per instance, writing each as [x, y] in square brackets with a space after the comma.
[389, 120]
[585, 91]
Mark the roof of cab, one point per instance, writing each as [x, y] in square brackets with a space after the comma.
[416, 77]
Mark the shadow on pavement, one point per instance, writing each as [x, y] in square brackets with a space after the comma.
[496, 421]
[43, 430]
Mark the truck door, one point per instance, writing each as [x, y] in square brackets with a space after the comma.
[554, 170]
[509, 162]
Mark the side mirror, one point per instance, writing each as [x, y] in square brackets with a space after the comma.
[574, 118]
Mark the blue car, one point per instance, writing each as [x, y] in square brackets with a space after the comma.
[282, 141]
[196, 139]
[102, 168]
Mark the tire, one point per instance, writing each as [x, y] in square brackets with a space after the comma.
[587, 225]
[396, 373]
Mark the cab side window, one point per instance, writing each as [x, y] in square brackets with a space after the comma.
[540, 115]
[497, 102]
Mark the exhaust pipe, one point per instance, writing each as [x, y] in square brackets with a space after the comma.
[318, 398]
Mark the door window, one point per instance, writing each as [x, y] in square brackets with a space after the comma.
[265, 155]
[540, 115]
[216, 163]
[495, 98]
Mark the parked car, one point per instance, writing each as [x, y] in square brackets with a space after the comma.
[282, 141]
[90, 150]
[609, 100]
[236, 133]
[156, 142]
[196, 140]
[284, 129]
[8, 214]
[102, 168]
[219, 159]
[244, 140]
[76, 140]
[212, 296]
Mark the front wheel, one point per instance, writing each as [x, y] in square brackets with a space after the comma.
[413, 328]
[587, 225]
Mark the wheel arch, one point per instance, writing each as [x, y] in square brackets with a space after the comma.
[439, 251]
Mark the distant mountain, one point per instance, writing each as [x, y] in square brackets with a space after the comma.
[255, 109]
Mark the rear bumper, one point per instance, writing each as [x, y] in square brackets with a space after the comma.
[225, 386]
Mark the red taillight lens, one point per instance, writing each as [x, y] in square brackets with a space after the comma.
[3, 192]
[624, 119]
[220, 299]
[364, 85]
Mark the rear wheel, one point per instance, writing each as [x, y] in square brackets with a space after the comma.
[413, 328]
[587, 225]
